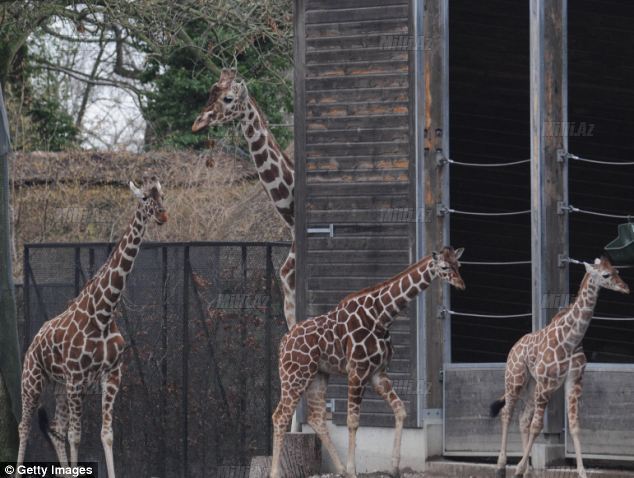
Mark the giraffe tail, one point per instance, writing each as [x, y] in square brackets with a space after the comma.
[497, 406]
[44, 423]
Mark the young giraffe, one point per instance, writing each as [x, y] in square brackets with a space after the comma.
[229, 100]
[542, 361]
[353, 340]
[82, 346]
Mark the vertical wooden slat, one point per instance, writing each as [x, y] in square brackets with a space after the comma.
[548, 82]
[299, 56]
[435, 179]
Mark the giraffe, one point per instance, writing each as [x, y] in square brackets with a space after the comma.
[229, 100]
[82, 346]
[353, 340]
[540, 362]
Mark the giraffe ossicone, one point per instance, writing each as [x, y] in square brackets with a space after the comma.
[353, 340]
[540, 362]
[229, 100]
[82, 346]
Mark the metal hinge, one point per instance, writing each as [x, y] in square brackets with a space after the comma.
[330, 230]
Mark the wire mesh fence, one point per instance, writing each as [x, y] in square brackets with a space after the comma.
[202, 322]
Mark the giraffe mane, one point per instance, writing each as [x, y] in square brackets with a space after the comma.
[380, 285]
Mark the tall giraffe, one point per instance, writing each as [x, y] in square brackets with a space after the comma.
[540, 362]
[353, 340]
[82, 346]
[229, 100]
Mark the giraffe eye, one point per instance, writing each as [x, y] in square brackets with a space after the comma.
[444, 268]
[606, 275]
[228, 99]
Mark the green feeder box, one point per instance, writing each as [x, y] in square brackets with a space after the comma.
[621, 249]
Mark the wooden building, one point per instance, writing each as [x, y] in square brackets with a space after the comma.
[420, 123]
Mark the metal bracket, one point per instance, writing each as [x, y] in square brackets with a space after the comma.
[562, 156]
[443, 313]
[432, 413]
[441, 160]
[562, 261]
[562, 208]
[441, 210]
[441, 375]
[330, 230]
[330, 405]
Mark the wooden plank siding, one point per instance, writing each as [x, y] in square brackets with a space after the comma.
[354, 161]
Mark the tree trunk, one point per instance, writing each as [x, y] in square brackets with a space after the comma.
[9, 350]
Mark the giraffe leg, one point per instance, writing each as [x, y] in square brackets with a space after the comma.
[281, 418]
[527, 414]
[515, 379]
[316, 399]
[356, 388]
[75, 398]
[109, 388]
[543, 392]
[287, 276]
[383, 386]
[59, 428]
[573, 394]
[32, 385]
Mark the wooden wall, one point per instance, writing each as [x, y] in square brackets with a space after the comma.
[354, 162]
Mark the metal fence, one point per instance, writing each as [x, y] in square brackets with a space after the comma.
[202, 323]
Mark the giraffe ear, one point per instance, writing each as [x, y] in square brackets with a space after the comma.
[459, 252]
[136, 191]
[589, 267]
[434, 255]
[597, 261]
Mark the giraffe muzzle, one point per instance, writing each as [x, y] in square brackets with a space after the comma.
[200, 124]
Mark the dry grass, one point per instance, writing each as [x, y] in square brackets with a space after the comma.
[83, 196]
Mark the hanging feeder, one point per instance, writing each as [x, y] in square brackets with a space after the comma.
[621, 249]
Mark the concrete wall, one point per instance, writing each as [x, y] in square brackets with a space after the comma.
[374, 446]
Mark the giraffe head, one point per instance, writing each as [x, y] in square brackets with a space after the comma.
[605, 275]
[150, 196]
[227, 101]
[446, 265]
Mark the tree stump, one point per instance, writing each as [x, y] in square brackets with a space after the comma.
[301, 457]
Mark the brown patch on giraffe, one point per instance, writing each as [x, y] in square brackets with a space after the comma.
[260, 158]
[270, 174]
[258, 143]
[282, 191]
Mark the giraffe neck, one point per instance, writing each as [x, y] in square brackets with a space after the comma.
[108, 284]
[392, 296]
[275, 170]
[576, 321]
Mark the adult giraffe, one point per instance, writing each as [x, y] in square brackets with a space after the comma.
[82, 346]
[542, 361]
[353, 340]
[229, 100]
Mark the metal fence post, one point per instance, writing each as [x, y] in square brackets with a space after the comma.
[267, 349]
[185, 369]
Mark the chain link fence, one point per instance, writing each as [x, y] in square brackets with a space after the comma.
[202, 323]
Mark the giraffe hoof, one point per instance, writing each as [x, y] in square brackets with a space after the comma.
[500, 473]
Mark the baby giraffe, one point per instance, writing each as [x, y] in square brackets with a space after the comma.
[82, 346]
[352, 340]
[542, 361]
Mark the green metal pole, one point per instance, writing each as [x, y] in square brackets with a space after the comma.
[9, 350]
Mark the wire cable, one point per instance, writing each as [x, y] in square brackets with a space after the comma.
[488, 316]
[594, 317]
[595, 161]
[471, 213]
[572, 208]
[489, 165]
[490, 263]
